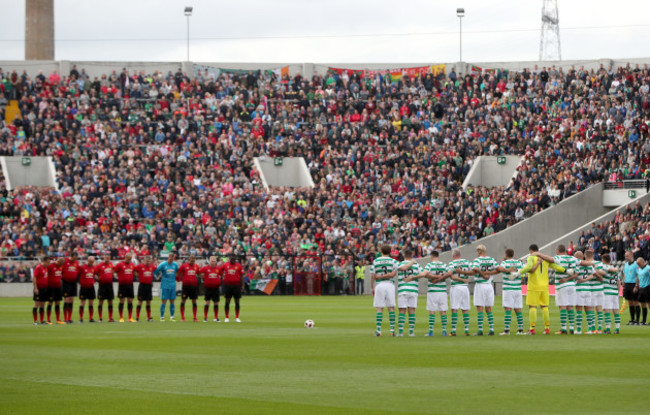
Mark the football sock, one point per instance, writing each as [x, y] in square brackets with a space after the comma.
[411, 323]
[148, 311]
[49, 312]
[632, 312]
[617, 320]
[91, 311]
[226, 310]
[129, 307]
[35, 314]
[162, 310]
[41, 312]
[579, 320]
[454, 321]
[120, 308]
[400, 322]
[432, 321]
[100, 310]
[443, 319]
[182, 311]
[608, 320]
[520, 320]
[391, 320]
[532, 316]
[57, 311]
[591, 320]
[638, 313]
[172, 310]
[480, 322]
[572, 317]
[379, 316]
[466, 321]
[65, 311]
[563, 319]
[81, 312]
[645, 314]
[600, 320]
[206, 309]
[216, 311]
[507, 319]
[547, 318]
[138, 308]
[490, 317]
[194, 310]
[110, 311]
[236, 310]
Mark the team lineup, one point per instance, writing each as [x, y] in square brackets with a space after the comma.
[56, 281]
[585, 289]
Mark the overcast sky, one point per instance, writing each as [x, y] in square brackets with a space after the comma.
[330, 30]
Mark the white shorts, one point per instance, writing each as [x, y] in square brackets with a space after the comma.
[512, 299]
[566, 296]
[384, 295]
[584, 299]
[598, 298]
[408, 300]
[611, 302]
[459, 297]
[483, 295]
[436, 301]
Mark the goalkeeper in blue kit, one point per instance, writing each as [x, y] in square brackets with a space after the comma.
[168, 270]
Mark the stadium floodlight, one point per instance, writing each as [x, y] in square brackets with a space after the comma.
[188, 13]
[460, 12]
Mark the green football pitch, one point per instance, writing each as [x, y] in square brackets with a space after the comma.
[270, 363]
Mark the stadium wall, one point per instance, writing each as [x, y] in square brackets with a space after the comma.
[292, 173]
[486, 171]
[97, 68]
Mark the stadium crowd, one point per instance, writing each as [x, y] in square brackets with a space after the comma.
[154, 163]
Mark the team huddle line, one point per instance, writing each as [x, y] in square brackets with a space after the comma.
[582, 283]
[57, 280]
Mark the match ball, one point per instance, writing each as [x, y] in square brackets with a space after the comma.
[309, 324]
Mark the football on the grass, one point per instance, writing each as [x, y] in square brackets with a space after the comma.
[309, 324]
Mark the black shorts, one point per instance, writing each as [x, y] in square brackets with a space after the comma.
[644, 295]
[69, 289]
[230, 291]
[43, 295]
[125, 291]
[144, 292]
[105, 292]
[190, 291]
[56, 293]
[212, 294]
[87, 293]
[628, 292]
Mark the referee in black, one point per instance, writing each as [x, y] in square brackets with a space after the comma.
[631, 288]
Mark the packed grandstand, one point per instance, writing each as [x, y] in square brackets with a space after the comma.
[155, 162]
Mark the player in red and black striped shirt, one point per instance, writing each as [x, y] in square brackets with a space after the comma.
[55, 288]
[41, 294]
[87, 278]
[233, 285]
[70, 277]
[189, 273]
[144, 272]
[211, 282]
[125, 271]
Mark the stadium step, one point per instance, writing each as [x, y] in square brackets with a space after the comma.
[12, 111]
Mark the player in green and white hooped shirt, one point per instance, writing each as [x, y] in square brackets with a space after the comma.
[484, 267]
[382, 270]
[612, 285]
[512, 296]
[598, 290]
[436, 273]
[407, 292]
[587, 278]
[459, 271]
